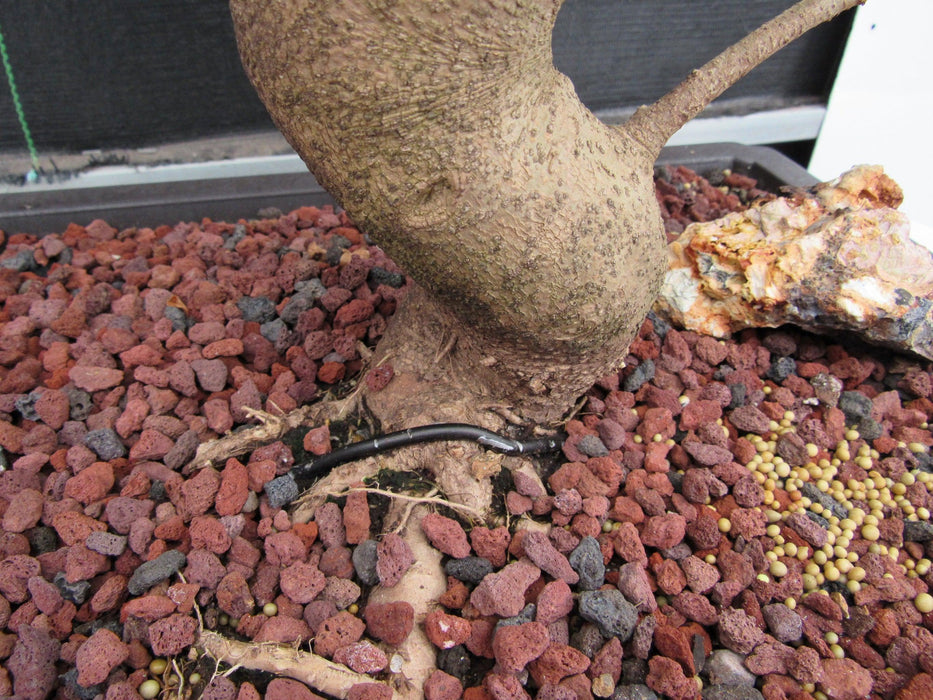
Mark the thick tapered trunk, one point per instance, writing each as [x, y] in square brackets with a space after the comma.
[447, 134]
[444, 129]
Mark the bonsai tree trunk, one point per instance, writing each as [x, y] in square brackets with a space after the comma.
[447, 134]
[530, 228]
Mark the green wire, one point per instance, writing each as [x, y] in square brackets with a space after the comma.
[18, 106]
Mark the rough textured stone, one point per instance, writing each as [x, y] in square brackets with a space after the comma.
[842, 259]
[610, 611]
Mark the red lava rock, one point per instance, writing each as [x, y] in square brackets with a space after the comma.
[843, 679]
[503, 593]
[664, 531]
[24, 511]
[172, 635]
[807, 529]
[93, 379]
[701, 577]
[148, 607]
[695, 607]
[82, 564]
[122, 512]
[301, 582]
[770, 658]
[228, 347]
[749, 419]
[317, 440]
[91, 484]
[362, 657]
[634, 584]
[284, 630]
[394, 557]
[207, 532]
[379, 377]
[211, 375]
[738, 632]
[446, 631]
[98, 656]
[446, 534]
[751, 522]
[554, 602]
[515, 646]
[183, 595]
[109, 595]
[390, 622]
[657, 421]
[338, 631]
[369, 691]
[32, 663]
[329, 520]
[805, 665]
[628, 545]
[356, 519]
[556, 662]
[917, 688]
[540, 550]
[53, 408]
[517, 504]
[442, 686]
[196, 494]
[666, 678]
[504, 687]
[331, 372]
[234, 488]
[285, 689]
[233, 595]
[673, 643]
[45, 595]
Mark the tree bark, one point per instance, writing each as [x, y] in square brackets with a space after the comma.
[653, 125]
[447, 134]
[445, 131]
[530, 228]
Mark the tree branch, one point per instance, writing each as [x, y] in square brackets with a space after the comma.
[654, 124]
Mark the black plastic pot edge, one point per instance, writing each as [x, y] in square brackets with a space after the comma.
[230, 199]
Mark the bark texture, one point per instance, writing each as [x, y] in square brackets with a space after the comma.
[445, 131]
[531, 228]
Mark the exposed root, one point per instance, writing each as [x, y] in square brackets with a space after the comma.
[270, 429]
[429, 499]
[339, 480]
[312, 670]
[421, 586]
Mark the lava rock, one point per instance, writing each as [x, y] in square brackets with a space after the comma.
[281, 491]
[468, 569]
[152, 572]
[587, 560]
[610, 611]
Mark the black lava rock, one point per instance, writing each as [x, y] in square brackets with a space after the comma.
[587, 560]
[855, 406]
[364, 562]
[640, 375]
[152, 572]
[281, 491]
[468, 569]
[105, 443]
[610, 611]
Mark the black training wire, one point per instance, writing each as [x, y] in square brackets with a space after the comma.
[425, 433]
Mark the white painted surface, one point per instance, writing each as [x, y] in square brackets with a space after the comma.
[756, 129]
[881, 106]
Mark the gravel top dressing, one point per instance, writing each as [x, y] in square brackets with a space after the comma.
[739, 519]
